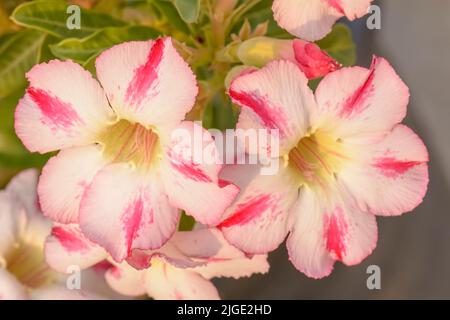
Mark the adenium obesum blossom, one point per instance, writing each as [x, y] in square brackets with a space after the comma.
[313, 19]
[121, 174]
[345, 158]
[24, 274]
[313, 61]
[181, 269]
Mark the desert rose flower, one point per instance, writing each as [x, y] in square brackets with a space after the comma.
[346, 159]
[181, 269]
[23, 230]
[313, 61]
[313, 19]
[121, 174]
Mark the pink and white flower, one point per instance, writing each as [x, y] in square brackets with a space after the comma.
[313, 19]
[23, 230]
[346, 159]
[120, 174]
[181, 269]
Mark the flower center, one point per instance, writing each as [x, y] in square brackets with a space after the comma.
[318, 158]
[26, 262]
[130, 142]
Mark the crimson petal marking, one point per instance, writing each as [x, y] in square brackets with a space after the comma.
[57, 114]
[248, 211]
[272, 119]
[392, 167]
[356, 103]
[145, 75]
[69, 240]
[336, 230]
[336, 4]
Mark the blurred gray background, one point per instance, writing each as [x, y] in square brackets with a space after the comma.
[413, 250]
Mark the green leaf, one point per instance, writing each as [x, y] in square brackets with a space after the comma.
[168, 10]
[82, 50]
[18, 53]
[186, 222]
[51, 16]
[189, 10]
[339, 44]
[13, 154]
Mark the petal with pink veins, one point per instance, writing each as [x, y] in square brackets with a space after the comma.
[67, 246]
[360, 103]
[256, 222]
[123, 209]
[306, 19]
[190, 174]
[64, 106]
[392, 176]
[323, 232]
[64, 180]
[147, 82]
[276, 97]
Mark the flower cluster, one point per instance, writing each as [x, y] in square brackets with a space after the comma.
[110, 201]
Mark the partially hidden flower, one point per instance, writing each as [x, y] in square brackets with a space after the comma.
[181, 269]
[308, 56]
[24, 274]
[121, 174]
[345, 158]
[313, 19]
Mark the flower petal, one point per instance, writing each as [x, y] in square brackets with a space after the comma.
[392, 176]
[124, 209]
[63, 107]
[64, 180]
[147, 82]
[358, 102]
[322, 232]
[256, 222]
[10, 287]
[61, 292]
[165, 282]
[228, 261]
[67, 246]
[353, 9]
[12, 223]
[190, 175]
[276, 97]
[306, 19]
[126, 280]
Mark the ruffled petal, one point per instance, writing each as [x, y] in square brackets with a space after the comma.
[360, 103]
[124, 209]
[67, 246]
[190, 175]
[306, 19]
[147, 82]
[325, 231]
[256, 222]
[63, 107]
[392, 176]
[276, 97]
[64, 180]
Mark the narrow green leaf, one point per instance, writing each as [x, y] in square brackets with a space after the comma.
[82, 49]
[186, 222]
[339, 44]
[51, 17]
[188, 10]
[168, 10]
[18, 53]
